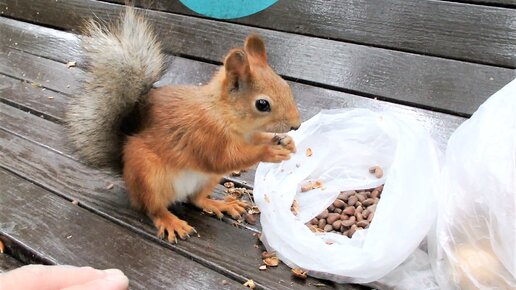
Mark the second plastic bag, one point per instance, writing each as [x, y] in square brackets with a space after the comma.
[474, 245]
[344, 145]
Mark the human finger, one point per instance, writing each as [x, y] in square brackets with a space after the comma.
[115, 280]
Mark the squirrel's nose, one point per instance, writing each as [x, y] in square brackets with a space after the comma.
[294, 128]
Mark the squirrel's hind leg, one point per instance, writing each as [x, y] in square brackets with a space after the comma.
[203, 201]
[169, 224]
[149, 186]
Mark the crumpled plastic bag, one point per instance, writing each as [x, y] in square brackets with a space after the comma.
[345, 144]
[474, 245]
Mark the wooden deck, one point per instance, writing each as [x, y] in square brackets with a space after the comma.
[436, 61]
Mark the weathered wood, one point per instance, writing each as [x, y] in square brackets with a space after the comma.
[36, 149]
[310, 99]
[68, 234]
[8, 263]
[423, 81]
[39, 72]
[39, 100]
[231, 251]
[183, 71]
[500, 3]
[426, 27]
[34, 129]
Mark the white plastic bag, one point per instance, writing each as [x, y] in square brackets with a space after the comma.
[475, 243]
[345, 143]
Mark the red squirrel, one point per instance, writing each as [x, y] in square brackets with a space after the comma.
[186, 137]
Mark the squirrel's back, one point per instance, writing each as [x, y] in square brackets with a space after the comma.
[123, 62]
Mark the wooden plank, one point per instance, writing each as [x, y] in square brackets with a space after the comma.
[427, 27]
[310, 99]
[428, 82]
[39, 100]
[183, 70]
[232, 250]
[68, 234]
[8, 263]
[500, 3]
[38, 71]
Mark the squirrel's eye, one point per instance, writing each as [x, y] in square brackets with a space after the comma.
[263, 105]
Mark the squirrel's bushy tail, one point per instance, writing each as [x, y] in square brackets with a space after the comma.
[123, 62]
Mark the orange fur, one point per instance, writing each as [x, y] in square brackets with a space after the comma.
[192, 136]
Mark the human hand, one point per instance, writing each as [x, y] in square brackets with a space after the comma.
[39, 277]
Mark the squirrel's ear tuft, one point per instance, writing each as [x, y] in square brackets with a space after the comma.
[255, 47]
[237, 68]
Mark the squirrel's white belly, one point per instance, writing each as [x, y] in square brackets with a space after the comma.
[188, 182]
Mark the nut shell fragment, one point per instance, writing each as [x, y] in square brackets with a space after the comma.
[250, 284]
[271, 261]
[229, 184]
[295, 207]
[377, 171]
[299, 273]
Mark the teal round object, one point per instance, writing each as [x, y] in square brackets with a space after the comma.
[227, 9]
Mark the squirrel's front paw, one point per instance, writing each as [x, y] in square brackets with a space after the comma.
[286, 141]
[276, 153]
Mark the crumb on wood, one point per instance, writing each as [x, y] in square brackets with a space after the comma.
[110, 186]
[71, 64]
[2, 247]
[308, 152]
[299, 273]
[229, 184]
[251, 218]
[250, 284]
[75, 202]
[271, 261]
[262, 267]
[266, 254]
[253, 210]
